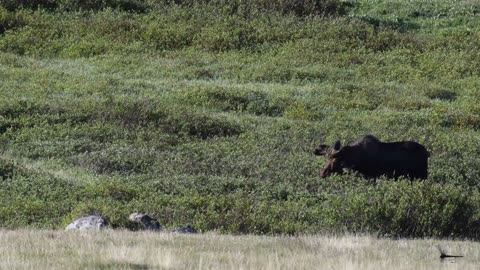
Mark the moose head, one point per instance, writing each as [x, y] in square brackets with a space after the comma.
[334, 158]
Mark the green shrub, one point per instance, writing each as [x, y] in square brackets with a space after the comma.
[301, 8]
[255, 102]
[404, 209]
[30, 199]
[75, 5]
[32, 4]
[115, 160]
[299, 110]
[440, 93]
[10, 20]
[127, 5]
[38, 36]
[7, 168]
[163, 34]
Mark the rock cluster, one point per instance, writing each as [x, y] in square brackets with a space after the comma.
[137, 222]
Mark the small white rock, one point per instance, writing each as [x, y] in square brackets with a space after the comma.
[88, 223]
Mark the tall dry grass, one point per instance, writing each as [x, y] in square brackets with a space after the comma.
[33, 249]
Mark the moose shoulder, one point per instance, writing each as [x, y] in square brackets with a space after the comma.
[373, 158]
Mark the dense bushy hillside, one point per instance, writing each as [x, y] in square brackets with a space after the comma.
[203, 113]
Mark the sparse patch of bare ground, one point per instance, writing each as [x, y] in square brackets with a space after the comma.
[24, 249]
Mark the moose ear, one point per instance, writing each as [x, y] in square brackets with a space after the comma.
[321, 150]
[337, 145]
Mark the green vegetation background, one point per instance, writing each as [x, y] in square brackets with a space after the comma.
[207, 112]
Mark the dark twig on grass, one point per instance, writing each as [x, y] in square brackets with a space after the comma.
[443, 255]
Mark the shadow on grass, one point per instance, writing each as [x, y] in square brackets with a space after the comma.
[400, 25]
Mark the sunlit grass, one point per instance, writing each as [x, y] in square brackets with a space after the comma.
[127, 250]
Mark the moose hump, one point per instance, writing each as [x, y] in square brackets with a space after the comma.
[373, 158]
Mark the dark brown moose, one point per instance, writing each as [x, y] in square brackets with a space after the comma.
[373, 158]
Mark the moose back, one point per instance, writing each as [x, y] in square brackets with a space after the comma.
[373, 158]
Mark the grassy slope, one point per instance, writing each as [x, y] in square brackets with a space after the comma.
[38, 249]
[210, 119]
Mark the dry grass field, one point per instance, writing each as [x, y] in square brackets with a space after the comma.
[37, 249]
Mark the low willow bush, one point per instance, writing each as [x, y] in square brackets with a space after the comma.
[403, 209]
[84, 134]
[86, 34]
[248, 8]
[74, 5]
[236, 100]
[388, 208]
[29, 196]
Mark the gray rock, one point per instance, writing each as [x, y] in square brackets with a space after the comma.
[144, 222]
[88, 223]
[185, 229]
